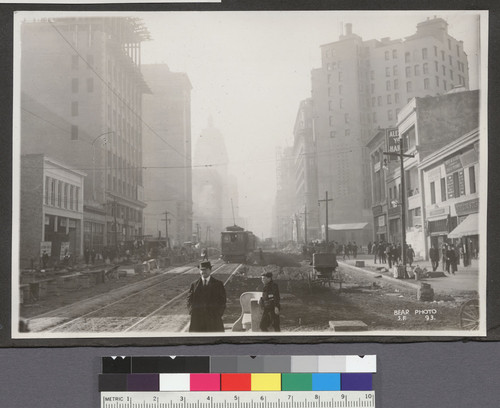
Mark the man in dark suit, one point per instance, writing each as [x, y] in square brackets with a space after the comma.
[206, 301]
[434, 256]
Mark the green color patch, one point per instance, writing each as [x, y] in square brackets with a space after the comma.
[296, 382]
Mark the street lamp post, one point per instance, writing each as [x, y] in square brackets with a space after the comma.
[93, 160]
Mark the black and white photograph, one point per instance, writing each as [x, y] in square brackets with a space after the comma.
[228, 174]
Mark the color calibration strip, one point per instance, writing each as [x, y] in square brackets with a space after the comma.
[240, 364]
[236, 382]
[241, 373]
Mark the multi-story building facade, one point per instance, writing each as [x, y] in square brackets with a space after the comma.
[378, 168]
[305, 210]
[450, 205]
[360, 87]
[284, 216]
[426, 125]
[167, 154]
[51, 216]
[87, 71]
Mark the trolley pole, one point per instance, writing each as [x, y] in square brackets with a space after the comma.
[326, 221]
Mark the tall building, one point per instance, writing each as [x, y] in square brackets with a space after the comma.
[306, 178]
[284, 210]
[167, 154]
[215, 191]
[360, 87]
[86, 71]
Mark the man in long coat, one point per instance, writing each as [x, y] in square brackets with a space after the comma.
[434, 256]
[206, 302]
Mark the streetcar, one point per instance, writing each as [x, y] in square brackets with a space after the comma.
[237, 245]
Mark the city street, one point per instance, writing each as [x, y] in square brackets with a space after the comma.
[156, 302]
[146, 146]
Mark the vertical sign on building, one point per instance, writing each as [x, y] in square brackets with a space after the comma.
[46, 246]
[64, 249]
[392, 135]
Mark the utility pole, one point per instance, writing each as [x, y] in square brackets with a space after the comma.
[115, 210]
[166, 228]
[326, 226]
[297, 222]
[392, 133]
[305, 223]
[198, 232]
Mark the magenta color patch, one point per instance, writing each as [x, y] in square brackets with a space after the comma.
[205, 382]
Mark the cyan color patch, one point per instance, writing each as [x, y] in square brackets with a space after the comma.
[326, 382]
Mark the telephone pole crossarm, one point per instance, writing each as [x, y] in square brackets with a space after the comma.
[326, 200]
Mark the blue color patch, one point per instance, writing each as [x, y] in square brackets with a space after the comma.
[326, 382]
[356, 382]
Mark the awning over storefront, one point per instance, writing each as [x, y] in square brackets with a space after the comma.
[469, 226]
[347, 227]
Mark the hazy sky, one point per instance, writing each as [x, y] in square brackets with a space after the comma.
[250, 70]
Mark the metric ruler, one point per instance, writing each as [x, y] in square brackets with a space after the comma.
[238, 399]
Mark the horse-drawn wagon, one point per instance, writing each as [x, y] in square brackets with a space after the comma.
[324, 270]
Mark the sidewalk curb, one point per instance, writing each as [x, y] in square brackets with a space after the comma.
[404, 282]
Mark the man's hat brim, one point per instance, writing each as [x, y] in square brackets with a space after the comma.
[205, 265]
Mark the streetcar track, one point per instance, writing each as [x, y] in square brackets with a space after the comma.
[152, 314]
[164, 278]
[122, 326]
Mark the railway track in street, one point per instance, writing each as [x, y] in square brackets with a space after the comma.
[155, 304]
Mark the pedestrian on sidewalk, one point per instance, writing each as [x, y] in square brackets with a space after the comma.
[388, 254]
[382, 246]
[450, 259]
[444, 252]
[457, 254]
[453, 259]
[398, 255]
[410, 254]
[375, 252]
[434, 257]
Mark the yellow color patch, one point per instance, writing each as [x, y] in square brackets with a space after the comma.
[266, 382]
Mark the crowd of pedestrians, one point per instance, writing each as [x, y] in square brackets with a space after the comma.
[390, 253]
[346, 251]
[448, 255]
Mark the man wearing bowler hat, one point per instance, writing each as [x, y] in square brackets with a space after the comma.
[206, 301]
[270, 303]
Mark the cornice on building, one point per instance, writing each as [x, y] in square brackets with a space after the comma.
[450, 148]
